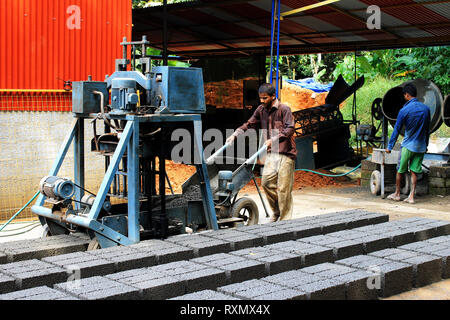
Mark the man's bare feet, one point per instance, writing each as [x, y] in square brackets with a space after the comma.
[394, 197]
[409, 200]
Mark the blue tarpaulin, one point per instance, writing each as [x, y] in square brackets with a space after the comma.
[311, 84]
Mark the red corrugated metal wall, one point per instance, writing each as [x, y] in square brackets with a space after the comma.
[43, 41]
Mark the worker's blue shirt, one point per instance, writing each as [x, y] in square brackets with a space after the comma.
[415, 116]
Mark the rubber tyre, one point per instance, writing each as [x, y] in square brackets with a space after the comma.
[45, 231]
[375, 182]
[248, 208]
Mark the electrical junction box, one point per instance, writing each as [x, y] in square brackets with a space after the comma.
[178, 90]
[84, 101]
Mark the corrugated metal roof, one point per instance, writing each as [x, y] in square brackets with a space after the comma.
[243, 26]
[41, 43]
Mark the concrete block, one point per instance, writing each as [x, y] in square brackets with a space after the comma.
[38, 293]
[325, 289]
[375, 218]
[357, 285]
[347, 234]
[310, 253]
[332, 226]
[152, 285]
[271, 234]
[3, 258]
[375, 242]
[422, 232]
[439, 182]
[236, 268]
[441, 228]
[435, 191]
[196, 276]
[44, 247]
[7, 283]
[165, 251]
[440, 171]
[346, 248]
[201, 245]
[207, 295]
[292, 279]
[443, 240]
[33, 273]
[99, 288]
[400, 237]
[126, 258]
[237, 239]
[261, 290]
[427, 268]
[83, 264]
[389, 277]
[304, 230]
[275, 262]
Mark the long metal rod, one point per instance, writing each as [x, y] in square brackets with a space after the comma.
[133, 184]
[260, 196]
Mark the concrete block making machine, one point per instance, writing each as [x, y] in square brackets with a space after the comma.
[144, 110]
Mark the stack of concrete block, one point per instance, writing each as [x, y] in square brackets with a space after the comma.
[164, 251]
[367, 167]
[201, 245]
[439, 180]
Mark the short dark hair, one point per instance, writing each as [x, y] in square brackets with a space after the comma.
[267, 88]
[411, 89]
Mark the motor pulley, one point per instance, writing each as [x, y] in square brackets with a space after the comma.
[57, 188]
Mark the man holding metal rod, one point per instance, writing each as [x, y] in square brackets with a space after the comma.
[277, 122]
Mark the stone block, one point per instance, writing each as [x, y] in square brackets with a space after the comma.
[33, 273]
[270, 234]
[99, 288]
[440, 171]
[375, 242]
[237, 239]
[83, 264]
[310, 253]
[38, 293]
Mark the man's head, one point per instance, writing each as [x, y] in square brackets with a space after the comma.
[409, 91]
[267, 94]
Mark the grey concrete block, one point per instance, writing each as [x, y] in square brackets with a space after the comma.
[275, 262]
[83, 264]
[196, 276]
[441, 228]
[165, 251]
[400, 237]
[438, 249]
[33, 273]
[3, 258]
[375, 218]
[7, 283]
[261, 290]
[375, 242]
[201, 245]
[126, 258]
[237, 239]
[43, 247]
[99, 288]
[302, 230]
[310, 253]
[422, 232]
[390, 277]
[443, 240]
[292, 279]
[236, 268]
[357, 285]
[323, 290]
[270, 234]
[38, 293]
[347, 234]
[152, 285]
[346, 248]
[332, 226]
[427, 268]
[205, 295]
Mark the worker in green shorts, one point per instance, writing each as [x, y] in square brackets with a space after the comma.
[415, 117]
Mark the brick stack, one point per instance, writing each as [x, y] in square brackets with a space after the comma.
[439, 180]
[367, 167]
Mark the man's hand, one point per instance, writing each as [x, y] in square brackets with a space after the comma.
[388, 151]
[268, 143]
[230, 139]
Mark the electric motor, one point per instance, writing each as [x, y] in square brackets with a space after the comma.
[56, 188]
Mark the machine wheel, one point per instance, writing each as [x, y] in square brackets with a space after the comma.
[375, 182]
[247, 209]
[93, 245]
